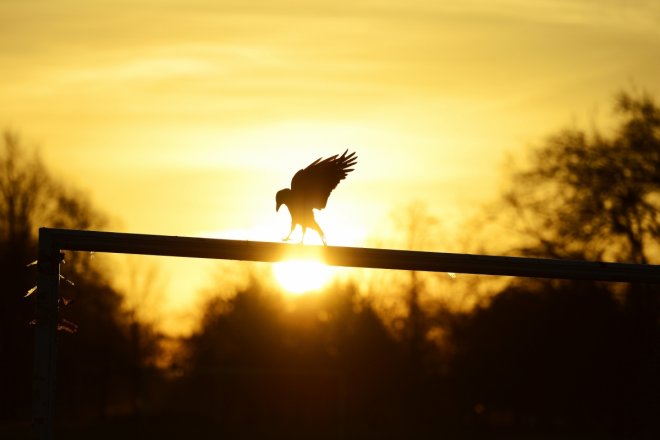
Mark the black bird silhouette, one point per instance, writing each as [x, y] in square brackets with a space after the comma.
[310, 189]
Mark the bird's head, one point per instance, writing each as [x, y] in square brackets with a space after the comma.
[281, 198]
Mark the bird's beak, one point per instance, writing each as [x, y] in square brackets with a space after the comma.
[277, 207]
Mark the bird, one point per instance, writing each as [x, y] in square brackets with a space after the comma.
[310, 189]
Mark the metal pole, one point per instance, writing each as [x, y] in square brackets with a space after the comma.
[45, 337]
[75, 240]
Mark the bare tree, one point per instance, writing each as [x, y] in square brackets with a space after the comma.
[91, 362]
[417, 225]
[25, 191]
[594, 196]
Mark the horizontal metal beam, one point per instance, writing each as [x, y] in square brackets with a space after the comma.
[115, 242]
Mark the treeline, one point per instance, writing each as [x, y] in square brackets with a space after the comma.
[99, 366]
[540, 359]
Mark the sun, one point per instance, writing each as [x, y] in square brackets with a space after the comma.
[300, 276]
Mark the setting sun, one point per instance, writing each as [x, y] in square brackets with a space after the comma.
[300, 276]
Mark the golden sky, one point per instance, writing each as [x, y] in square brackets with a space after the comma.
[184, 117]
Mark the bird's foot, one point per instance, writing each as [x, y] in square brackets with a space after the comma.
[286, 239]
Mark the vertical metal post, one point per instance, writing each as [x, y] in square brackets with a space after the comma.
[45, 337]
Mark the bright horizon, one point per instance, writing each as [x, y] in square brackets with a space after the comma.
[185, 117]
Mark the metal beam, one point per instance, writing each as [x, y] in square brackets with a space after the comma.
[115, 242]
[52, 241]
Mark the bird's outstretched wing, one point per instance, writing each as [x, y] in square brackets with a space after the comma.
[317, 181]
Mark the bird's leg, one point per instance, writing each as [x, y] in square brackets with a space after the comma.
[304, 231]
[288, 237]
[318, 229]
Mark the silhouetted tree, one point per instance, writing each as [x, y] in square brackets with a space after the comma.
[25, 193]
[264, 363]
[142, 302]
[598, 197]
[595, 197]
[555, 357]
[572, 357]
[417, 224]
[94, 363]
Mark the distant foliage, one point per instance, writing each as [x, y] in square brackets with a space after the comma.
[31, 197]
[315, 362]
[594, 196]
[562, 357]
[97, 365]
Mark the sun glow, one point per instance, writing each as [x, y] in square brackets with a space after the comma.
[300, 276]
